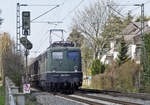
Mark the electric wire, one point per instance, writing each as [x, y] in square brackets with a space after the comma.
[48, 21]
[147, 2]
[40, 5]
[45, 13]
[70, 12]
[123, 16]
[43, 40]
[79, 5]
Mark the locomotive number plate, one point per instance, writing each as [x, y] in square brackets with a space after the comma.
[65, 75]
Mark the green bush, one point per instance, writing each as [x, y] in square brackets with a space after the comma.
[0, 78]
[97, 67]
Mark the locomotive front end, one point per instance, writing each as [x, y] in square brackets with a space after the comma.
[59, 67]
[65, 68]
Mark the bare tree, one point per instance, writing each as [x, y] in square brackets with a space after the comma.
[11, 64]
[91, 22]
[5, 46]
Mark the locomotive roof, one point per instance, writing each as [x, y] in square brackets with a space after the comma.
[63, 48]
[62, 44]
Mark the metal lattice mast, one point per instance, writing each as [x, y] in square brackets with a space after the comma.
[142, 19]
[143, 53]
[18, 45]
[142, 37]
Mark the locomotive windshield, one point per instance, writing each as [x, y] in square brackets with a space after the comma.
[73, 55]
[57, 55]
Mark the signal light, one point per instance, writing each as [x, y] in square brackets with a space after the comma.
[26, 22]
[26, 43]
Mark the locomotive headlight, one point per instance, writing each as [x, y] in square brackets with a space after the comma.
[76, 68]
[53, 71]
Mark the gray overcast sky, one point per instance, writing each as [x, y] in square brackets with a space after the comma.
[39, 32]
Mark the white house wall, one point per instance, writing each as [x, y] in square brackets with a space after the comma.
[131, 53]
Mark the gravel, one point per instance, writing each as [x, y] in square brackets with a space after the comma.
[50, 99]
[127, 99]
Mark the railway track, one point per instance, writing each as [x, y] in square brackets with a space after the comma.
[94, 100]
[83, 96]
[142, 96]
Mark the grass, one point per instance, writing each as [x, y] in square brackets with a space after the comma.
[2, 95]
[31, 100]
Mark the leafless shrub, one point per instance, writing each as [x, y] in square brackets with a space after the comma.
[124, 78]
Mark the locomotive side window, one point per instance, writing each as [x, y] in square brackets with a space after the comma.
[57, 55]
[73, 55]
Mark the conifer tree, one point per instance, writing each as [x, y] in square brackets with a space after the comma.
[97, 67]
[76, 37]
[123, 49]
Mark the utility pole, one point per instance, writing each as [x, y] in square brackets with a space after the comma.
[142, 19]
[143, 54]
[18, 45]
[18, 27]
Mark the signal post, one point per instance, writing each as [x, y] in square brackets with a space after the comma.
[25, 42]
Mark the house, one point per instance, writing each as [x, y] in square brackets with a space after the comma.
[132, 35]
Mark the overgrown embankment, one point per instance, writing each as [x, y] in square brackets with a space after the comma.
[124, 78]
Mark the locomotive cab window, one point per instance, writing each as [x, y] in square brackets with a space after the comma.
[57, 55]
[73, 55]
